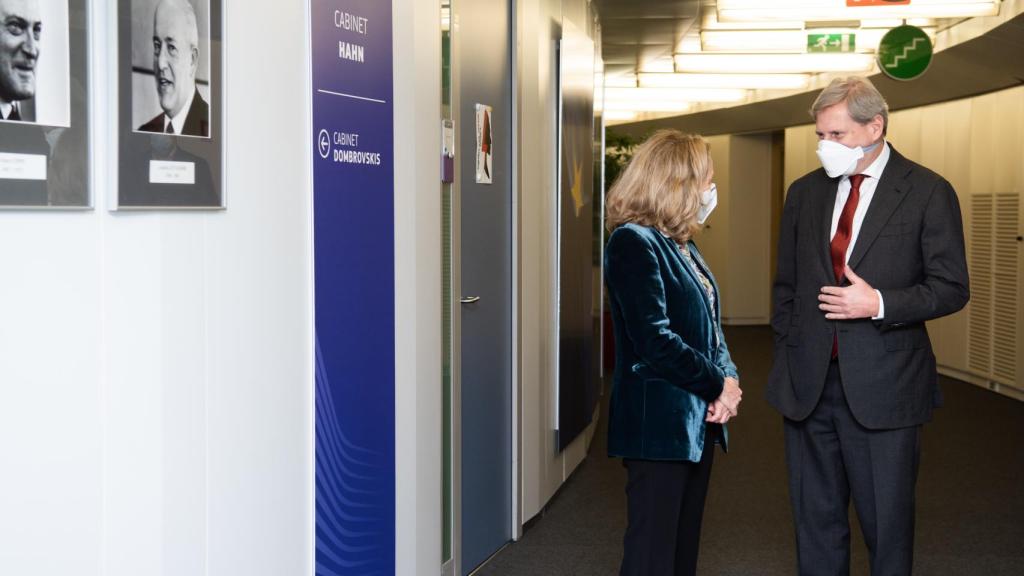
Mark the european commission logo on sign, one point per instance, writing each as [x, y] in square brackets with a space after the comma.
[905, 53]
[851, 3]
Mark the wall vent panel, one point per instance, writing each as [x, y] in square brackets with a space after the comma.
[979, 338]
[1006, 289]
[995, 289]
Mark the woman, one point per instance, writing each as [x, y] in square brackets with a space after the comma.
[675, 385]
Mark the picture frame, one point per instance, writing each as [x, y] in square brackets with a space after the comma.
[169, 134]
[45, 103]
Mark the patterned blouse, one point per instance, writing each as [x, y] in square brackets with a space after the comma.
[705, 281]
[684, 249]
[709, 287]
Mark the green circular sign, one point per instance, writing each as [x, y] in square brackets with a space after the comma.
[905, 53]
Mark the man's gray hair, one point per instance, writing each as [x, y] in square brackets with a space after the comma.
[863, 100]
[190, 18]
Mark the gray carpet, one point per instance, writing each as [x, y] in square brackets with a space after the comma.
[970, 514]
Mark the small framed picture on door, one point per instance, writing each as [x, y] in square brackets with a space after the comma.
[484, 145]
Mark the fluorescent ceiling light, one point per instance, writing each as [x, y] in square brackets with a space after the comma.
[660, 64]
[710, 22]
[748, 81]
[753, 41]
[620, 115]
[689, 43]
[722, 4]
[866, 39]
[646, 106]
[825, 10]
[620, 81]
[772, 63]
[894, 22]
[675, 94]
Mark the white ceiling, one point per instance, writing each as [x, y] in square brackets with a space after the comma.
[642, 35]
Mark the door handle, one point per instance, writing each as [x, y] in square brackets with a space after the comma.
[470, 300]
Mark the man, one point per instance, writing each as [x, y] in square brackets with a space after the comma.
[871, 246]
[175, 62]
[20, 30]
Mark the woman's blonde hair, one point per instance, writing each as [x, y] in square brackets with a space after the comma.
[660, 186]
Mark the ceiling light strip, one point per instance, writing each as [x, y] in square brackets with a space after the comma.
[743, 81]
[675, 94]
[803, 10]
[708, 63]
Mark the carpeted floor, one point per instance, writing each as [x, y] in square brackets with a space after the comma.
[970, 513]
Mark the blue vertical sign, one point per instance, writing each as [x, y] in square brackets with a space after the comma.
[353, 243]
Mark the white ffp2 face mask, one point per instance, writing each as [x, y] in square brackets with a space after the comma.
[839, 160]
[708, 201]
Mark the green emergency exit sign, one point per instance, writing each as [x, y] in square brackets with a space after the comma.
[831, 42]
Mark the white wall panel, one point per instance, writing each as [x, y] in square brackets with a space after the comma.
[544, 469]
[714, 239]
[418, 393]
[50, 394]
[537, 182]
[944, 148]
[259, 309]
[155, 382]
[736, 240]
[747, 298]
[905, 132]
[801, 143]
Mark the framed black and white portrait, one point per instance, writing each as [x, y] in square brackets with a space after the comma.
[170, 116]
[44, 104]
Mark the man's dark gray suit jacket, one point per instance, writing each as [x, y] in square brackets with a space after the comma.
[911, 249]
[197, 122]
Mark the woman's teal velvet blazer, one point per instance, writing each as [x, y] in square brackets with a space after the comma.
[667, 364]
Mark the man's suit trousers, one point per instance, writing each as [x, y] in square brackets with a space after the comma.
[831, 457]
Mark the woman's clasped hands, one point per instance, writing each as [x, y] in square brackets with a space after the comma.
[727, 405]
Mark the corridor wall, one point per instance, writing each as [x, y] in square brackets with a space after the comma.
[544, 468]
[738, 226]
[155, 367]
[975, 143]
[418, 393]
[156, 385]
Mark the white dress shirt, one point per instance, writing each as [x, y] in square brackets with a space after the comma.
[867, 191]
[179, 120]
[6, 109]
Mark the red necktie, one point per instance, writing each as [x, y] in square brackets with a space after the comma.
[841, 241]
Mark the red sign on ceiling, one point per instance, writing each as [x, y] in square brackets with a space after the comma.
[877, 2]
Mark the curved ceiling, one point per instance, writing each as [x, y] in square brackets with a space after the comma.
[991, 61]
